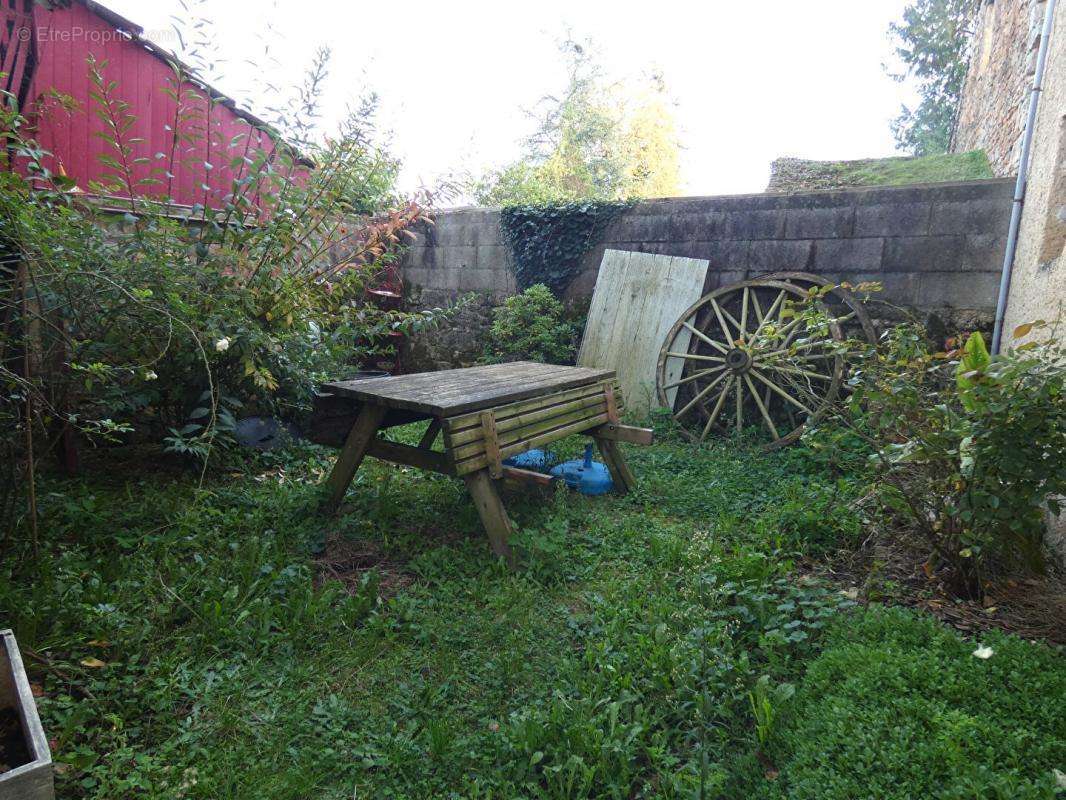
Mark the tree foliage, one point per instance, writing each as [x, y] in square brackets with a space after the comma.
[933, 43]
[595, 141]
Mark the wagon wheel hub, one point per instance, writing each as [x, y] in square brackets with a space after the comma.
[742, 357]
[739, 361]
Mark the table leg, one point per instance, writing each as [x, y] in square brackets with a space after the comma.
[356, 445]
[430, 436]
[621, 474]
[490, 509]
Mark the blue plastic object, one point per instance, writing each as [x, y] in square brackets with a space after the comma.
[533, 460]
[585, 475]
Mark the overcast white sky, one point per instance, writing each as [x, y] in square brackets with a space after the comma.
[752, 80]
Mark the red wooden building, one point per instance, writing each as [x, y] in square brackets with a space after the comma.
[45, 45]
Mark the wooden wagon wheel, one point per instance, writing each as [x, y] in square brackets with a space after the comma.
[734, 359]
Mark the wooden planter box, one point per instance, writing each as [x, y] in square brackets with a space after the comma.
[32, 780]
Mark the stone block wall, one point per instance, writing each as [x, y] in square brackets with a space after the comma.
[995, 96]
[936, 248]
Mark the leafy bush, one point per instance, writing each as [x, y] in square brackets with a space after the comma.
[531, 327]
[969, 449]
[162, 321]
[897, 706]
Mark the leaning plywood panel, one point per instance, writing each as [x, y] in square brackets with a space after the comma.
[638, 298]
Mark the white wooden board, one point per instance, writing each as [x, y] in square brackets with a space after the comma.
[637, 299]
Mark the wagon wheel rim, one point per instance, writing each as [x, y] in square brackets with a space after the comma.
[733, 360]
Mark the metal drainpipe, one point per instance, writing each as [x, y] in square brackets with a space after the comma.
[1020, 184]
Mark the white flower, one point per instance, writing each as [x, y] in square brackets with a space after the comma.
[222, 345]
[983, 652]
[150, 375]
[1060, 778]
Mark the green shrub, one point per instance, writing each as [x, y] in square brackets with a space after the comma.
[897, 706]
[531, 327]
[969, 450]
[162, 321]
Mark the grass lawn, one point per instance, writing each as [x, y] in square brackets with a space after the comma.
[187, 643]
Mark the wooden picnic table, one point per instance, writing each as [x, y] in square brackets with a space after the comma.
[486, 414]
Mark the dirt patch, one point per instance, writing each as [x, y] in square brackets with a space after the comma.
[1030, 607]
[349, 560]
[1034, 608]
[13, 752]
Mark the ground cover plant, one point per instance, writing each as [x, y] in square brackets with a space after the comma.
[227, 641]
[898, 706]
[195, 627]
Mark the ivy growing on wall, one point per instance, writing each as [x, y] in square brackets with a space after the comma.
[548, 242]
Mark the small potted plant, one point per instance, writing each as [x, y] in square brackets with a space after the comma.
[25, 760]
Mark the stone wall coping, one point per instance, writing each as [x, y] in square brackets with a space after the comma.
[857, 191]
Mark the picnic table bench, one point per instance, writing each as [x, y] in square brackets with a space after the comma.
[486, 414]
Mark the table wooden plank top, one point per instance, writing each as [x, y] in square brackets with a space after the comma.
[457, 391]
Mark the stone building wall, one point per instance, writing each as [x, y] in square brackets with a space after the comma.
[936, 248]
[995, 95]
[1038, 282]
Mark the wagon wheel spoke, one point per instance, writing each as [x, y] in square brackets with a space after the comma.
[769, 313]
[740, 407]
[744, 312]
[804, 391]
[704, 338]
[771, 386]
[800, 350]
[736, 323]
[797, 371]
[695, 357]
[757, 308]
[791, 328]
[691, 403]
[808, 358]
[721, 321]
[762, 408]
[717, 408]
[694, 376]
